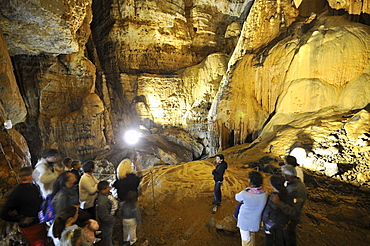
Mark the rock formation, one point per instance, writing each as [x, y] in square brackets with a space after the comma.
[195, 76]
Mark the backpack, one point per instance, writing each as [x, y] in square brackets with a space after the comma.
[47, 211]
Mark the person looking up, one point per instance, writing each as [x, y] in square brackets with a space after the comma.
[127, 180]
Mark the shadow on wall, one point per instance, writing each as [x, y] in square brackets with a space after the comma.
[304, 141]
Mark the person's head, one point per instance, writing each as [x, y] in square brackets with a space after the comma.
[88, 166]
[124, 168]
[131, 198]
[255, 179]
[67, 162]
[65, 179]
[25, 174]
[67, 217]
[288, 172]
[290, 160]
[104, 187]
[219, 158]
[277, 182]
[76, 165]
[51, 155]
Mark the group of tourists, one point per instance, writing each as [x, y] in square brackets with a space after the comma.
[279, 211]
[82, 206]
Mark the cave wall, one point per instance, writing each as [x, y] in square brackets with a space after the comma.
[87, 70]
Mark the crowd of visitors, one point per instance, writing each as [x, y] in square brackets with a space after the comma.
[82, 206]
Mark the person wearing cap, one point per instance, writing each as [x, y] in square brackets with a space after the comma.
[291, 160]
[298, 193]
[26, 200]
[218, 177]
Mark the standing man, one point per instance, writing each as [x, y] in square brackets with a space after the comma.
[218, 177]
[26, 201]
[298, 193]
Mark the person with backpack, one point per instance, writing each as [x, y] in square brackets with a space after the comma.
[26, 200]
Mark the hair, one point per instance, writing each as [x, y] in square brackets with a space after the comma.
[103, 185]
[67, 160]
[88, 166]
[291, 160]
[25, 171]
[124, 168]
[76, 237]
[289, 170]
[50, 153]
[83, 218]
[60, 182]
[255, 178]
[277, 182]
[60, 222]
[131, 199]
[75, 163]
[221, 156]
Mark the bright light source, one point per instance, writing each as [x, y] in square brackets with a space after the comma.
[8, 124]
[132, 137]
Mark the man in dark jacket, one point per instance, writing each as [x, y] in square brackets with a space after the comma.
[26, 201]
[218, 177]
[298, 192]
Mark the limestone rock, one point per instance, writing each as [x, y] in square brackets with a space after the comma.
[161, 36]
[35, 27]
[12, 105]
[354, 7]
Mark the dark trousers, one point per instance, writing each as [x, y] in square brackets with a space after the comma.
[290, 233]
[107, 233]
[276, 238]
[217, 193]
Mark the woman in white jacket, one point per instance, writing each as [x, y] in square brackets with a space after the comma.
[88, 188]
[254, 199]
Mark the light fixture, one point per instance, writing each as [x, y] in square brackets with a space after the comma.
[8, 124]
[131, 137]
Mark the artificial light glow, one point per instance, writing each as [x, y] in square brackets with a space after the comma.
[132, 137]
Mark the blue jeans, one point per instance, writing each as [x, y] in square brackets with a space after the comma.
[217, 193]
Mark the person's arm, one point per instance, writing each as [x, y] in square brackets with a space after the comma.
[239, 196]
[89, 186]
[47, 176]
[104, 210]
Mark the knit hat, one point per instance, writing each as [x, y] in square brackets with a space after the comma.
[25, 171]
[289, 170]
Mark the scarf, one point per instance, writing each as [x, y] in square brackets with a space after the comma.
[255, 190]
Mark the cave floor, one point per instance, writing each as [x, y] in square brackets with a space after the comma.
[335, 214]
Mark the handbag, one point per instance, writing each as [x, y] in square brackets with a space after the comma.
[47, 211]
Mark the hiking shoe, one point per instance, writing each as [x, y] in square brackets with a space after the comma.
[214, 209]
